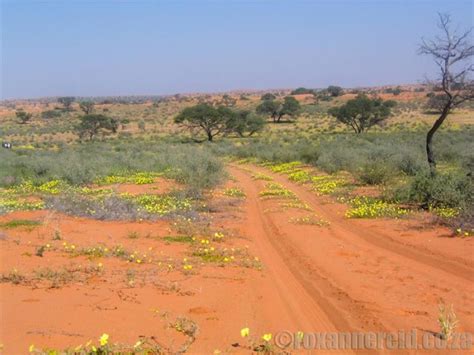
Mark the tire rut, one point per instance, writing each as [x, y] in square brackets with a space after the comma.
[344, 312]
[378, 240]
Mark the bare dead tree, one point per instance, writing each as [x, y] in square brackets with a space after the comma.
[453, 53]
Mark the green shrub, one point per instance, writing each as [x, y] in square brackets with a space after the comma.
[375, 172]
[439, 191]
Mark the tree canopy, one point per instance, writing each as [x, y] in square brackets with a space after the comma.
[362, 112]
[268, 96]
[93, 124]
[206, 118]
[302, 91]
[66, 101]
[214, 121]
[334, 91]
[86, 106]
[246, 123]
[23, 116]
[276, 109]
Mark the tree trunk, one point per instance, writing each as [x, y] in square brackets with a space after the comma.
[429, 137]
[209, 136]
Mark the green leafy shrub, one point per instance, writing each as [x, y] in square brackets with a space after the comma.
[441, 190]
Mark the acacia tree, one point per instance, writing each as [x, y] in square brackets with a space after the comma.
[362, 112]
[269, 107]
[211, 120]
[452, 52]
[334, 90]
[246, 123]
[87, 107]
[290, 107]
[23, 116]
[93, 124]
[276, 110]
[268, 96]
[66, 101]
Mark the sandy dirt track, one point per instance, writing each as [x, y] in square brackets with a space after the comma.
[343, 275]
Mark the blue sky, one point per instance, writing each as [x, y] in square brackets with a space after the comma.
[94, 48]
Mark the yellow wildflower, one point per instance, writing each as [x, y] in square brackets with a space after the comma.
[104, 339]
[245, 332]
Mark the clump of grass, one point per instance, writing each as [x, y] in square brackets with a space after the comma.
[296, 205]
[9, 204]
[208, 253]
[445, 212]
[17, 223]
[285, 168]
[309, 220]
[130, 275]
[260, 176]
[56, 277]
[191, 227]
[447, 321]
[133, 235]
[366, 207]
[327, 184]
[300, 176]
[163, 204]
[276, 190]
[179, 239]
[139, 178]
[40, 250]
[234, 192]
[143, 345]
[14, 277]
[188, 328]
[52, 187]
[57, 235]
[99, 251]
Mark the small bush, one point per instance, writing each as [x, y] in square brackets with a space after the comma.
[376, 172]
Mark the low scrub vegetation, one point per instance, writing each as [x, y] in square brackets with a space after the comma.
[120, 161]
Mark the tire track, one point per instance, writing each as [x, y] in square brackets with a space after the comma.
[343, 312]
[382, 241]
